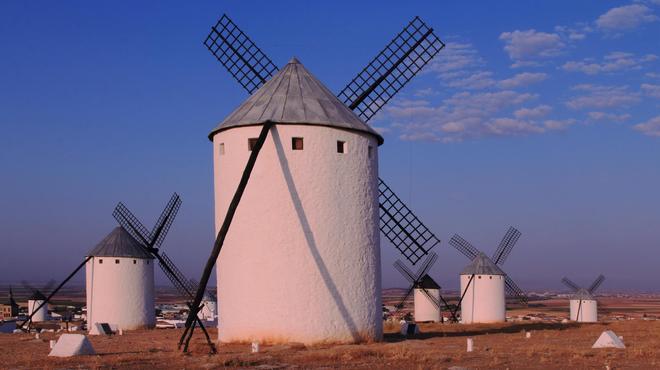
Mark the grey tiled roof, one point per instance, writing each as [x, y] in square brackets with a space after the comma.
[295, 96]
[119, 243]
[482, 265]
[582, 294]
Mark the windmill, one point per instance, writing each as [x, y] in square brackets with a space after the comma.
[583, 304]
[483, 283]
[151, 242]
[426, 291]
[37, 299]
[292, 96]
[13, 306]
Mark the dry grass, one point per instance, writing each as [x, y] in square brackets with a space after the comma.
[439, 346]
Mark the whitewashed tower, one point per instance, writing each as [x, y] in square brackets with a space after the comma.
[583, 307]
[120, 283]
[301, 261]
[426, 298]
[36, 300]
[482, 286]
[582, 303]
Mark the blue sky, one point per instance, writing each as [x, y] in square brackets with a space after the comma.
[544, 116]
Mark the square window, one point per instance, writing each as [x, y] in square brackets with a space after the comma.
[251, 143]
[134, 262]
[297, 143]
[341, 146]
[222, 148]
[116, 262]
[100, 260]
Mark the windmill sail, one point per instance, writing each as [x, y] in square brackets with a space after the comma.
[242, 58]
[391, 69]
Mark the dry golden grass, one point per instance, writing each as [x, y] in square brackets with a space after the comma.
[439, 346]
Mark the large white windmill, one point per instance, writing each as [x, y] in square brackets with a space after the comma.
[483, 283]
[583, 304]
[306, 234]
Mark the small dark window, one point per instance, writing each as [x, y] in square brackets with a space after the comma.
[370, 151]
[147, 262]
[341, 146]
[222, 148]
[479, 277]
[297, 143]
[251, 143]
[100, 260]
[134, 262]
[117, 262]
[490, 277]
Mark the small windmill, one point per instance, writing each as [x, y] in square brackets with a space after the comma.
[583, 304]
[152, 241]
[365, 95]
[426, 291]
[37, 299]
[12, 304]
[483, 283]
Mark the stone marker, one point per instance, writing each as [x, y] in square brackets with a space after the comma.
[470, 344]
[72, 345]
[608, 340]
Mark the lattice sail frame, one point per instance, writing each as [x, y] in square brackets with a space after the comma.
[242, 58]
[402, 228]
[391, 69]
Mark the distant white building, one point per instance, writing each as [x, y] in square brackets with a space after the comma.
[120, 283]
[209, 311]
[484, 300]
[35, 300]
[583, 306]
[426, 306]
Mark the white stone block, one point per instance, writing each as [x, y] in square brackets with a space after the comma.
[72, 345]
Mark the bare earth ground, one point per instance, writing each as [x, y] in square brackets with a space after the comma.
[442, 346]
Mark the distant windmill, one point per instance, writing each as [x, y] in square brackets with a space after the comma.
[36, 309]
[294, 105]
[583, 304]
[483, 282]
[13, 306]
[427, 295]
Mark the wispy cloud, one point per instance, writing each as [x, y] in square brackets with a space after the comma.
[522, 79]
[599, 96]
[607, 117]
[651, 90]
[530, 45]
[625, 18]
[612, 62]
[650, 127]
[533, 113]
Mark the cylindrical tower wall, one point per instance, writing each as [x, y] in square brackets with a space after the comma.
[301, 261]
[120, 292]
[41, 314]
[425, 309]
[585, 312]
[484, 300]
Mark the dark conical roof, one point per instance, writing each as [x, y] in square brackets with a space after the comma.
[119, 243]
[37, 296]
[582, 294]
[295, 96]
[482, 265]
[427, 282]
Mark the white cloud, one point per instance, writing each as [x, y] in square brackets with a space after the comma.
[608, 117]
[530, 44]
[463, 115]
[599, 96]
[510, 126]
[650, 127]
[553, 124]
[522, 79]
[455, 58]
[476, 81]
[653, 74]
[577, 32]
[651, 90]
[533, 113]
[612, 62]
[625, 18]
